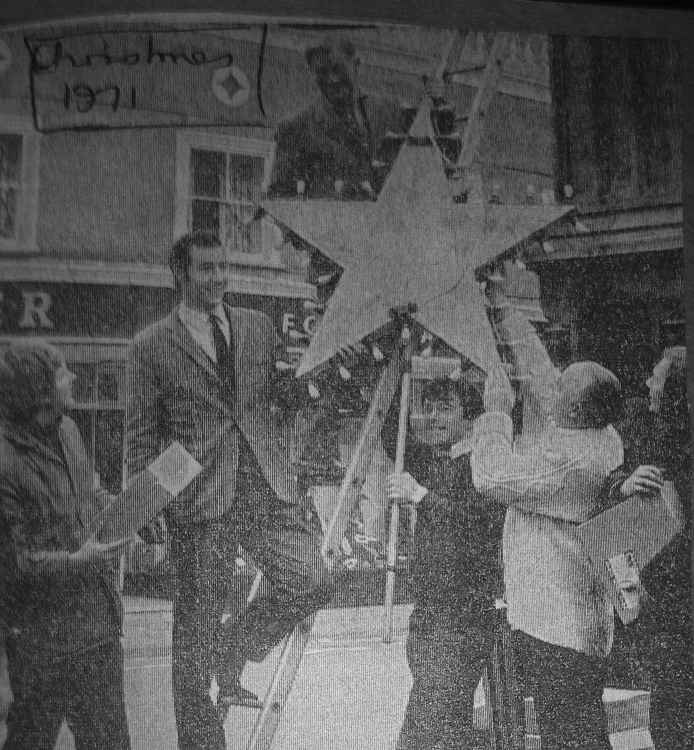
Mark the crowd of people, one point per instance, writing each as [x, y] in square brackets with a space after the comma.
[497, 517]
[470, 477]
[492, 521]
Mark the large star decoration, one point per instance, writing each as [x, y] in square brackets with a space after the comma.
[414, 246]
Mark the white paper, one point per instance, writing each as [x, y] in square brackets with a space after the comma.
[174, 469]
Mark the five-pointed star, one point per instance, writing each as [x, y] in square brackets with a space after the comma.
[414, 244]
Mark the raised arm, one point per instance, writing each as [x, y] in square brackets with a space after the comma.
[535, 481]
[538, 375]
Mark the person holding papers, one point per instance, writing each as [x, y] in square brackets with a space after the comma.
[60, 608]
[560, 614]
[661, 441]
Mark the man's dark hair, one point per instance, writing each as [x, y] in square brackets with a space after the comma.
[470, 397]
[179, 257]
[321, 53]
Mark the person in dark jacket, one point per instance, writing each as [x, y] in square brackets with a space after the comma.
[336, 144]
[657, 448]
[455, 571]
[61, 610]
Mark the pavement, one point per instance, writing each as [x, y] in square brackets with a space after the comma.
[350, 691]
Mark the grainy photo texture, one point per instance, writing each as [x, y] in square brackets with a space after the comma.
[342, 388]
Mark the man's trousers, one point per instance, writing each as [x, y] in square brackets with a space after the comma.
[566, 687]
[446, 667]
[84, 689]
[285, 545]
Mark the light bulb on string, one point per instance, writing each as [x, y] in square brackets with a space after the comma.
[325, 278]
[297, 335]
[311, 306]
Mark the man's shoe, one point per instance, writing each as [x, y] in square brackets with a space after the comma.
[231, 693]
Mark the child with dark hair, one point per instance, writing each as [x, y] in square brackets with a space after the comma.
[455, 569]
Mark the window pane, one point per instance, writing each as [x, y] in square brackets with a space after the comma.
[109, 376]
[8, 211]
[205, 216]
[108, 461]
[83, 388]
[242, 231]
[10, 158]
[245, 176]
[207, 169]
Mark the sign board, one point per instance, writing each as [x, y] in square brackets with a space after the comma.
[149, 78]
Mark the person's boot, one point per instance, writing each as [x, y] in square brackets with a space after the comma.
[232, 693]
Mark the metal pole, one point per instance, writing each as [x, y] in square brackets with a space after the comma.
[395, 510]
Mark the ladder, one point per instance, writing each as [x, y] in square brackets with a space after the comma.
[466, 157]
[396, 370]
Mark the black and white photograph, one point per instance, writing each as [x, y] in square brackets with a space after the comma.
[343, 384]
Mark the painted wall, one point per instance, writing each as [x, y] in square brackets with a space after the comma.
[110, 194]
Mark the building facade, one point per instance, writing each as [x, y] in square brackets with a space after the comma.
[100, 172]
[614, 280]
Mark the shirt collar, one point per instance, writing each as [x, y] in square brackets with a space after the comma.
[199, 319]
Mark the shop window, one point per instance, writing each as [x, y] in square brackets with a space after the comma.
[19, 159]
[99, 414]
[220, 184]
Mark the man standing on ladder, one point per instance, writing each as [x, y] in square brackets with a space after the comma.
[204, 376]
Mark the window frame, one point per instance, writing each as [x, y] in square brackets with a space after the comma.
[24, 240]
[186, 141]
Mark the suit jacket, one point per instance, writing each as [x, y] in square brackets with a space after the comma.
[175, 393]
[319, 147]
[47, 500]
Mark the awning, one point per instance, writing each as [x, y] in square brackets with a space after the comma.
[616, 232]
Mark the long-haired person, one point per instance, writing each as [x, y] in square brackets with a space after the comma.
[60, 608]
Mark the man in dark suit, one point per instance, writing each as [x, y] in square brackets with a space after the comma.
[204, 376]
[339, 141]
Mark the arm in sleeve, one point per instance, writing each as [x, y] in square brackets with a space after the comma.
[532, 482]
[610, 493]
[142, 410]
[25, 561]
[534, 364]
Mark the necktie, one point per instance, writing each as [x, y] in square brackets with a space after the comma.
[225, 354]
